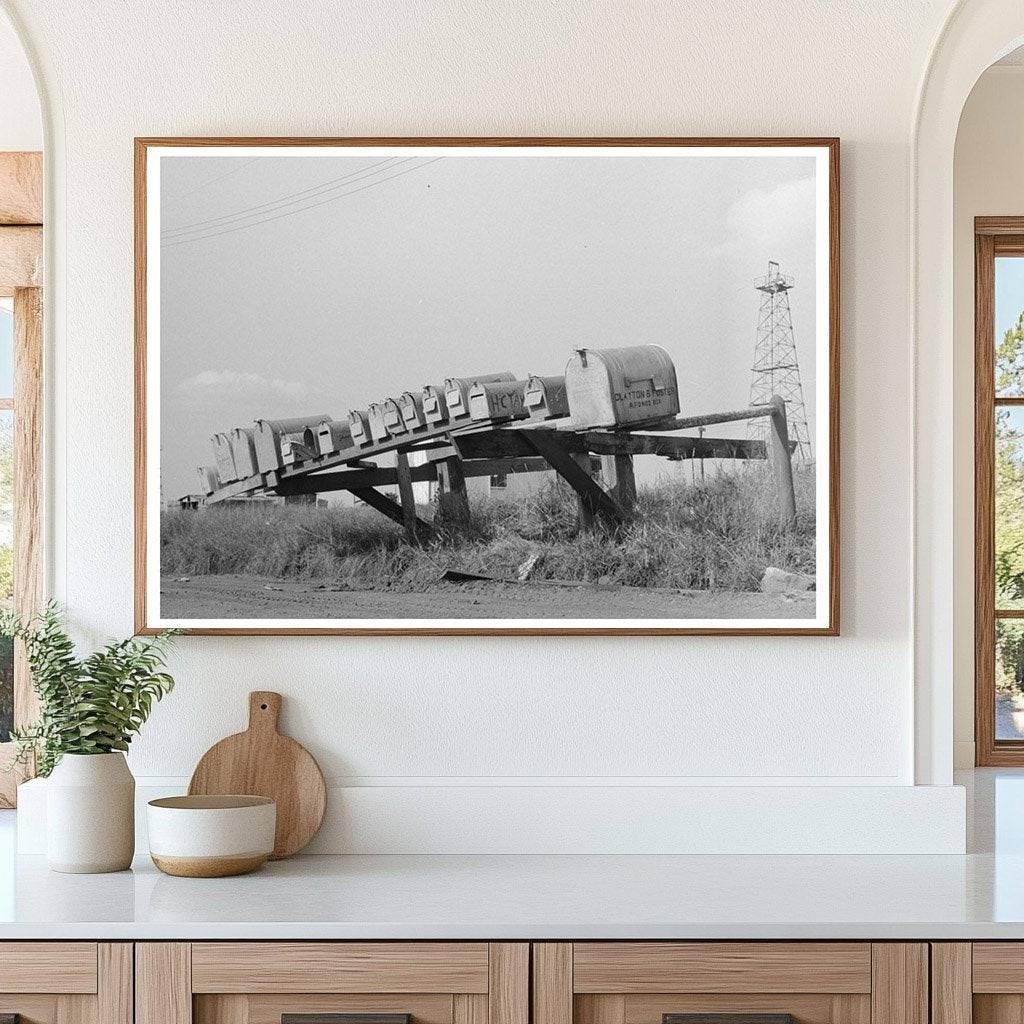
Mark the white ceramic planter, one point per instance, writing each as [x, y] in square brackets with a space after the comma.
[90, 814]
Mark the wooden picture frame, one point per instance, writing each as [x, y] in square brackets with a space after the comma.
[595, 500]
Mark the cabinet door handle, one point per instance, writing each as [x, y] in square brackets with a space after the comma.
[728, 1018]
[338, 1018]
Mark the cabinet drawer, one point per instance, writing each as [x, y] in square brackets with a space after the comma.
[263, 982]
[48, 967]
[737, 982]
[630, 967]
[981, 982]
[340, 967]
[66, 982]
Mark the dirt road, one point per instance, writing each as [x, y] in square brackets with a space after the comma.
[254, 597]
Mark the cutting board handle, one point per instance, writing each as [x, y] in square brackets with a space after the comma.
[264, 710]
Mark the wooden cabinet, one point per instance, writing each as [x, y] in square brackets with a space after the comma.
[260, 982]
[980, 982]
[66, 982]
[815, 982]
[494, 983]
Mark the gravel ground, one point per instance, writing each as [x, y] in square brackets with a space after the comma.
[255, 597]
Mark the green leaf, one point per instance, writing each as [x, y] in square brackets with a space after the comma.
[90, 705]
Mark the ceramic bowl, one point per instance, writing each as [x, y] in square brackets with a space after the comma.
[211, 836]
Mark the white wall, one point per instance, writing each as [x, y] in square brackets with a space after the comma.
[988, 181]
[444, 713]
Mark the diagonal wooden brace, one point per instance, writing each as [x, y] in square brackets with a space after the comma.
[387, 506]
[591, 494]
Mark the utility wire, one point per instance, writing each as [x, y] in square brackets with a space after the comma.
[311, 206]
[286, 200]
[241, 165]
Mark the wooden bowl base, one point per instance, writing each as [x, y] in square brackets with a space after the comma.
[210, 867]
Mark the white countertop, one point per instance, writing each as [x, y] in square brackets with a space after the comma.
[532, 897]
[978, 896]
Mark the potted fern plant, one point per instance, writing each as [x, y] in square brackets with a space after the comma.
[89, 709]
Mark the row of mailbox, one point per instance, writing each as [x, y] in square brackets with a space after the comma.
[601, 388]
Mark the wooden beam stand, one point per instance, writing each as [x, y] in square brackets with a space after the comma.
[588, 518]
[407, 497]
[782, 464]
[593, 499]
[620, 479]
[370, 476]
[452, 496]
[390, 508]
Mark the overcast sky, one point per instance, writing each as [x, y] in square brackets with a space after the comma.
[349, 278]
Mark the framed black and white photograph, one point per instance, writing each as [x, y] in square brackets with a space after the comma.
[487, 386]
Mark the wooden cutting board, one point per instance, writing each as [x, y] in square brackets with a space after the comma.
[262, 762]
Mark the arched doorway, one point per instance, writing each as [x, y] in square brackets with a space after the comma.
[976, 33]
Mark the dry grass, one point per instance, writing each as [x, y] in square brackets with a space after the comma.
[718, 536]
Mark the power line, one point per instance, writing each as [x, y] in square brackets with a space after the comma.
[287, 200]
[213, 181]
[312, 206]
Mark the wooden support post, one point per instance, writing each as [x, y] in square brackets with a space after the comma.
[782, 464]
[587, 520]
[406, 496]
[619, 479]
[452, 496]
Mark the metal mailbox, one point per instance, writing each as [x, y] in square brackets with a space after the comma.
[224, 458]
[295, 449]
[394, 421]
[333, 436]
[209, 481]
[359, 425]
[456, 391]
[505, 400]
[412, 410]
[243, 448]
[269, 433]
[621, 387]
[545, 398]
[378, 428]
[435, 408]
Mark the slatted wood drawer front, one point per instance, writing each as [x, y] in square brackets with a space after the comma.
[339, 967]
[66, 982]
[721, 967]
[813, 982]
[259, 982]
[48, 967]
